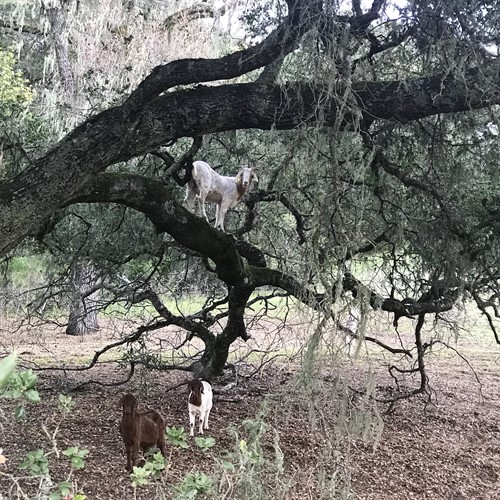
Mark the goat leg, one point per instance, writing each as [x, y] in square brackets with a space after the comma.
[135, 453]
[128, 448]
[201, 205]
[191, 423]
[190, 199]
[221, 216]
[161, 445]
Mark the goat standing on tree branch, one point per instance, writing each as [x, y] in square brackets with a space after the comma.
[210, 187]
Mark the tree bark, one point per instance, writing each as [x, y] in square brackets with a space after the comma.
[57, 18]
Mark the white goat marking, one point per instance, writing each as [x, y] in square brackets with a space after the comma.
[208, 186]
[201, 392]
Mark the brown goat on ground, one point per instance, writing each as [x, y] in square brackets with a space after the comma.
[140, 429]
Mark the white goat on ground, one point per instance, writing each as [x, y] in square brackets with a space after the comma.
[210, 187]
[199, 402]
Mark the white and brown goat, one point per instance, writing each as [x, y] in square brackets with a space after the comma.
[208, 186]
[199, 403]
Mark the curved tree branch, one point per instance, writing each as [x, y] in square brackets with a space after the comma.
[195, 328]
[79, 387]
[152, 198]
[192, 13]
[125, 340]
[282, 41]
[110, 137]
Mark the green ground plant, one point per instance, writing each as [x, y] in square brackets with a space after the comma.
[21, 385]
[193, 485]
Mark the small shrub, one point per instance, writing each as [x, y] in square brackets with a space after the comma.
[36, 463]
[176, 436]
[192, 485]
[65, 404]
[155, 463]
[204, 443]
[77, 456]
[65, 491]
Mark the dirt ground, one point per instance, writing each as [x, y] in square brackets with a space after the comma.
[330, 437]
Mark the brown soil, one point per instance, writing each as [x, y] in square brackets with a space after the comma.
[448, 449]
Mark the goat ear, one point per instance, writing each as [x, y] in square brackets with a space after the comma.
[255, 178]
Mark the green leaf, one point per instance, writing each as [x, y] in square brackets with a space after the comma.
[76, 455]
[36, 462]
[74, 451]
[19, 412]
[32, 396]
[140, 475]
[77, 463]
[176, 436]
[158, 457]
[204, 443]
[28, 379]
[66, 403]
[13, 393]
[228, 466]
[65, 487]
[7, 367]
[192, 484]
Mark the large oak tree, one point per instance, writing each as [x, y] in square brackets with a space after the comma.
[390, 117]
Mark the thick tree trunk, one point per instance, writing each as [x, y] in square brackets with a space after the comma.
[215, 357]
[83, 300]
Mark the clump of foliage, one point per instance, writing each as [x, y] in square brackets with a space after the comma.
[155, 463]
[193, 484]
[15, 91]
[18, 385]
